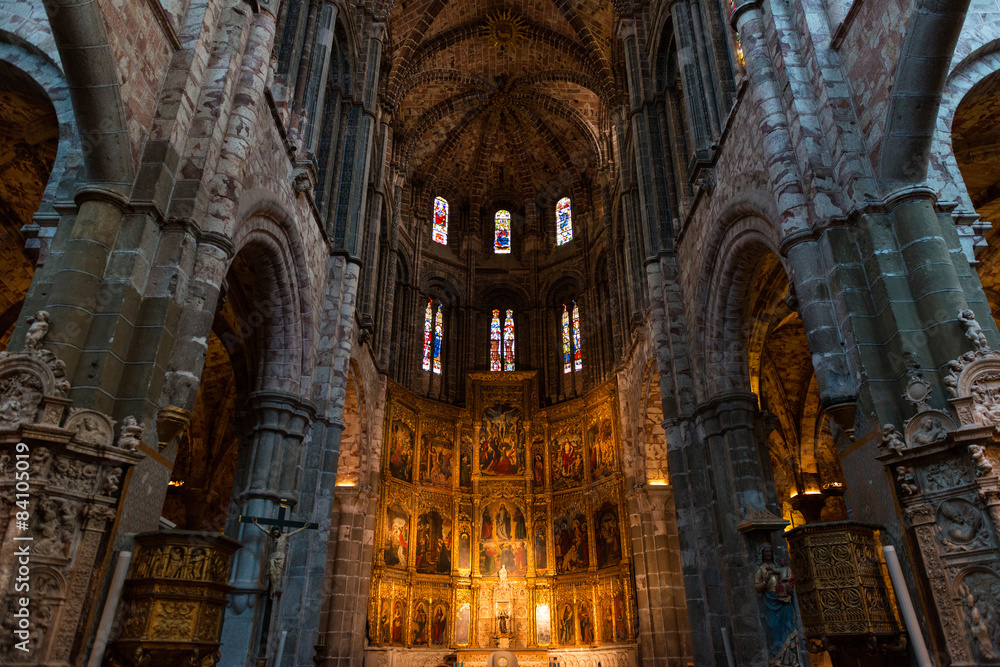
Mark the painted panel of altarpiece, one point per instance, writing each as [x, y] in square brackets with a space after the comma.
[501, 508]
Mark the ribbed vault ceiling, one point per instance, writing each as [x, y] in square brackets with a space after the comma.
[482, 116]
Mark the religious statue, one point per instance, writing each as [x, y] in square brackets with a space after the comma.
[892, 439]
[973, 331]
[503, 622]
[39, 327]
[775, 584]
[980, 631]
[983, 465]
[276, 561]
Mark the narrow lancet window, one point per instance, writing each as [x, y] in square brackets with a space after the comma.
[438, 336]
[508, 341]
[495, 355]
[577, 358]
[428, 324]
[440, 234]
[564, 221]
[501, 239]
[567, 352]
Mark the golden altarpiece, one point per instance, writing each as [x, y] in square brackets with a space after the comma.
[502, 524]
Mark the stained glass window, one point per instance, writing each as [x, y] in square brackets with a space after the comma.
[428, 324]
[508, 341]
[564, 221]
[577, 359]
[567, 364]
[438, 336]
[739, 43]
[495, 357]
[501, 241]
[440, 221]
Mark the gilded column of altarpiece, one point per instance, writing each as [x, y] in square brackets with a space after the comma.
[502, 509]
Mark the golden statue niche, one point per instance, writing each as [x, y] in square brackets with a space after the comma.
[501, 524]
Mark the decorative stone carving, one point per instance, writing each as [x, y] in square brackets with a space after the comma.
[979, 593]
[907, 480]
[302, 182]
[944, 475]
[961, 527]
[973, 380]
[979, 460]
[75, 476]
[37, 331]
[111, 482]
[131, 435]
[928, 427]
[90, 427]
[892, 440]
[918, 391]
[973, 331]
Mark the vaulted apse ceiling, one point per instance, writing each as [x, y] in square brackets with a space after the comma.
[501, 100]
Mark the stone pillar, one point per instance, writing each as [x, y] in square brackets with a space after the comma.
[387, 342]
[650, 215]
[812, 292]
[615, 319]
[349, 568]
[270, 472]
[661, 605]
[737, 499]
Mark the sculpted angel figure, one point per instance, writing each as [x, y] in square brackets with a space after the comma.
[892, 439]
[983, 465]
[36, 332]
[973, 331]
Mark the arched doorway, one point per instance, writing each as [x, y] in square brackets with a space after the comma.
[976, 144]
[29, 139]
[791, 429]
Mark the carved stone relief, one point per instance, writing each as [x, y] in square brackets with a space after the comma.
[961, 527]
[76, 474]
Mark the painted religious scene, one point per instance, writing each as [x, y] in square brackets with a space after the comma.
[501, 441]
[503, 539]
[523, 526]
[436, 456]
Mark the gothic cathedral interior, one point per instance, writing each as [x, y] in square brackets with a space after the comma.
[486, 333]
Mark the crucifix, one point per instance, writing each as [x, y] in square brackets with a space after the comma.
[276, 561]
